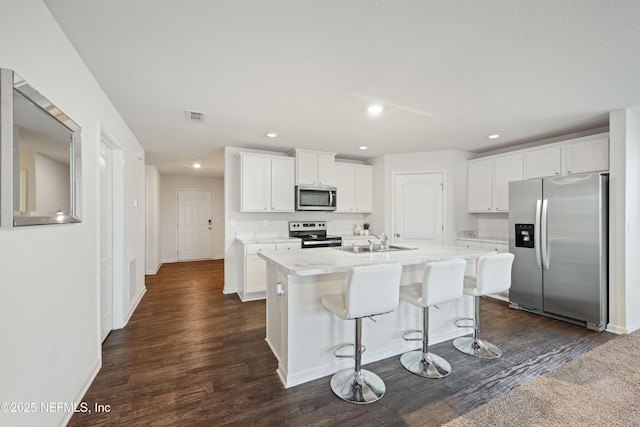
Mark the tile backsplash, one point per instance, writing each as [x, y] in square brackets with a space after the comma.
[490, 225]
[496, 225]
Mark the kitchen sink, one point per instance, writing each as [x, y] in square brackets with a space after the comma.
[371, 249]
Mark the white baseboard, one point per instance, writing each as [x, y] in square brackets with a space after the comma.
[133, 308]
[620, 330]
[153, 272]
[92, 376]
[253, 296]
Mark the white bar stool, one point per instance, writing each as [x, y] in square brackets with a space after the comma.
[442, 282]
[371, 290]
[493, 275]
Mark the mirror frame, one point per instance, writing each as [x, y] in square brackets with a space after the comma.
[10, 82]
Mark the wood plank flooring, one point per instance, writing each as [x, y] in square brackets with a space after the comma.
[193, 356]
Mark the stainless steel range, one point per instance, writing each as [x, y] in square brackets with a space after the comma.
[313, 234]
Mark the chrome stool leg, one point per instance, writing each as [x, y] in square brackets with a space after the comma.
[421, 362]
[358, 385]
[474, 346]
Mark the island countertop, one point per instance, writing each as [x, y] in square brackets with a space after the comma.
[309, 262]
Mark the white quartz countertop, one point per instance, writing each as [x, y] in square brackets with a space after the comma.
[481, 239]
[309, 262]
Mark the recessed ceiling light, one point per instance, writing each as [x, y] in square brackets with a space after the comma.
[197, 165]
[494, 136]
[375, 109]
[363, 147]
[271, 134]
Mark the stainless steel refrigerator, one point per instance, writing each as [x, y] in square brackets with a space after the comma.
[558, 234]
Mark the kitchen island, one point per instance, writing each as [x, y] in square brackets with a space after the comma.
[303, 335]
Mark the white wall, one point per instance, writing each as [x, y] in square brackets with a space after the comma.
[49, 275]
[169, 186]
[454, 165]
[152, 189]
[624, 221]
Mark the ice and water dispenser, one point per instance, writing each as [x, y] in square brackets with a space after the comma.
[524, 235]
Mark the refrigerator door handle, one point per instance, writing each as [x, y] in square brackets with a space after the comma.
[543, 235]
[536, 233]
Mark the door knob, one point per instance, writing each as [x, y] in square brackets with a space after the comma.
[397, 234]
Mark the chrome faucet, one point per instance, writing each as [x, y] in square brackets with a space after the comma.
[384, 240]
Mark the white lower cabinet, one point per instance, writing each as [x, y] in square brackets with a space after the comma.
[479, 244]
[255, 268]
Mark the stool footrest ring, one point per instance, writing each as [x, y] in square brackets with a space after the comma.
[459, 324]
[405, 335]
[347, 356]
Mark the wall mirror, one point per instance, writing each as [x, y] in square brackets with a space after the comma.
[45, 165]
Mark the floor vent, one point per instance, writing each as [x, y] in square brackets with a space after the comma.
[194, 116]
[133, 283]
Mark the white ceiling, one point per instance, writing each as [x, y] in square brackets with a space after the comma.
[449, 72]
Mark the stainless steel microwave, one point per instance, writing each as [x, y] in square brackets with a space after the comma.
[315, 198]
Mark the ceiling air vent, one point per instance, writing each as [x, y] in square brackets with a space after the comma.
[194, 116]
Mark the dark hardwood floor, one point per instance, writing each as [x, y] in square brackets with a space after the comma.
[193, 356]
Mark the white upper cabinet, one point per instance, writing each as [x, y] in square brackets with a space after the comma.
[587, 156]
[282, 184]
[315, 167]
[505, 169]
[580, 155]
[489, 177]
[364, 189]
[542, 162]
[488, 182]
[255, 183]
[267, 183]
[479, 182]
[355, 187]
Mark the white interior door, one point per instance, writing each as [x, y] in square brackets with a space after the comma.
[194, 224]
[418, 208]
[106, 240]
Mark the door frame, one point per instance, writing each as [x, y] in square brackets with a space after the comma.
[445, 186]
[106, 137]
[213, 220]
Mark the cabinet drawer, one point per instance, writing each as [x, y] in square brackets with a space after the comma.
[496, 247]
[287, 246]
[254, 249]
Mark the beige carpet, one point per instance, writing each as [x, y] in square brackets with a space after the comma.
[600, 388]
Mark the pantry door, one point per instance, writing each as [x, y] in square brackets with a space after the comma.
[195, 224]
[418, 202]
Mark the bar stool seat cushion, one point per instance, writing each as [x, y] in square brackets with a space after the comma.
[335, 304]
[494, 275]
[441, 284]
[372, 290]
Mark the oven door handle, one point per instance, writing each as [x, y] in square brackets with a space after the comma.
[321, 242]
